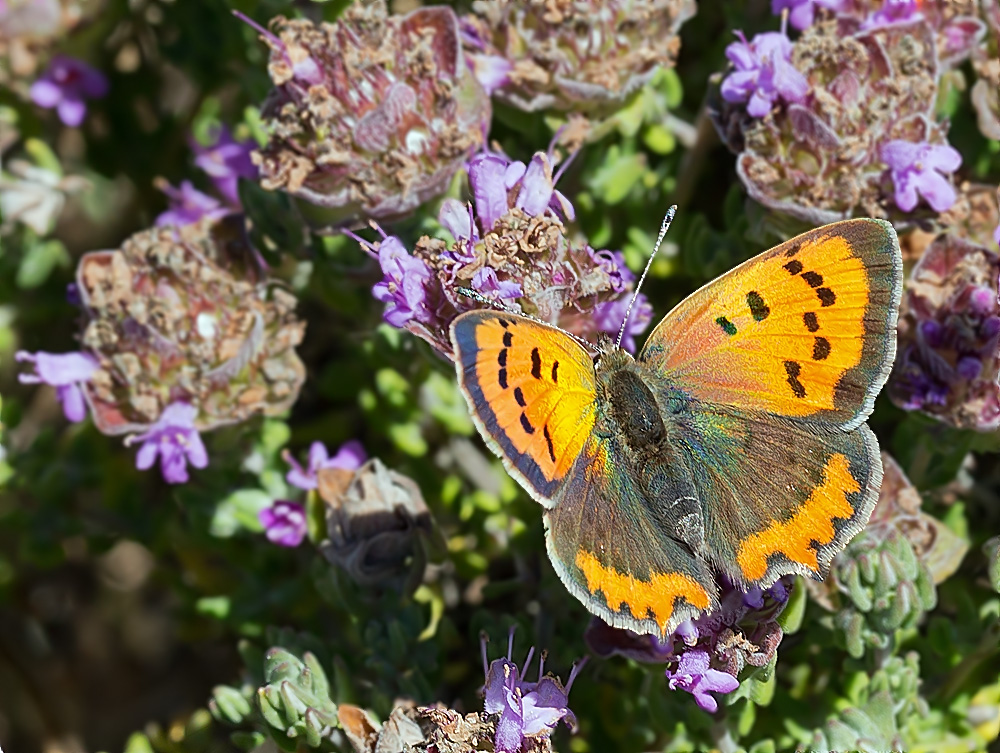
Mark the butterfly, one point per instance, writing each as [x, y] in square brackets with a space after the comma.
[734, 443]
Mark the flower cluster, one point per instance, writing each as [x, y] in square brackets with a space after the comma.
[948, 356]
[528, 711]
[580, 56]
[842, 121]
[511, 247]
[372, 115]
[986, 63]
[224, 160]
[183, 334]
[707, 655]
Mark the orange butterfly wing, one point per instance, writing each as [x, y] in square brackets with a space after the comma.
[806, 329]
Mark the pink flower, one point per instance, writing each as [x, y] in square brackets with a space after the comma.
[284, 522]
[802, 13]
[349, 457]
[226, 160]
[175, 440]
[694, 675]
[764, 73]
[64, 371]
[404, 288]
[66, 86]
[921, 168]
[188, 205]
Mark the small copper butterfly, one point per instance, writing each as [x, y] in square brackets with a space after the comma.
[736, 440]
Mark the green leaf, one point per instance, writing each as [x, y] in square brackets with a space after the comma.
[38, 262]
[239, 511]
[138, 743]
[791, 617]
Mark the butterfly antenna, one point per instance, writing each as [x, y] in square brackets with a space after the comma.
[494, 303]
[667, 219]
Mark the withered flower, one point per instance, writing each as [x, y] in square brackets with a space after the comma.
[185, 316]
[579, 55]
[854, 142]
[372, 115]
[375, 519]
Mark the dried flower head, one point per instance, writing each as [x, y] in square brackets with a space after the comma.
[27, 29]
[375, 519]
[511, 247]
[184, 316]
[863, 138]
[372, 115]
[948, 357]
[572, 54]
[986, 63]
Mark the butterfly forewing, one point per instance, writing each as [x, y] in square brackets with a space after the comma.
[806, 329]
[531, 389]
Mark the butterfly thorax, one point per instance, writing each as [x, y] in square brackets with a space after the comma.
[628, 406]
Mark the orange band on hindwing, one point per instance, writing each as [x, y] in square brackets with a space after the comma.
[811, 525]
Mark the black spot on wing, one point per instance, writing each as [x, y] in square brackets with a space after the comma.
[502, 358]
[727, 326]
[811, 322]
[548, 441]
[502, 378]
[508, 339]
[536, 364]
[815, 279]
[821, 348]
[758, 308]
[826, 296]
[503, 323]
[794, 267]
[555, 372]
[526, 425]
[793, 369]
[519, 396]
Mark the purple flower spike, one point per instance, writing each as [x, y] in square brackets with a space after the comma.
[921, 168]
[64, 371]
[349, 457]
[175, 440]
[284, 523]
[764, 73]
[802, 13]
[66, 86]
[226, 160]
[404, 288]
[526, 709]
[188, 205]
[694, 675]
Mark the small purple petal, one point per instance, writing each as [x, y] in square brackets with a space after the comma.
[536, 187]
[486, 177]
[45, 93]
[455, 218]
[284, 523]
[74, 406]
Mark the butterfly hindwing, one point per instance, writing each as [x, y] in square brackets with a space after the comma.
[617, 547]
[531, 389]
[806, 329]
[779, 496]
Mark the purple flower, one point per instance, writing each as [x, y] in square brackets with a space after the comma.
[284, 522]
[349, 457]
[66, 86]
[526, 709]
[802, 13]
[694, 675]
[486, 282]
[226, 160]
[64, 371]
[918, 168]
[492, 71]
[188, 205]
[403, 289]
[894, 12]
[499, 184]
[608, 318]
[764, 73]
[175, 440]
